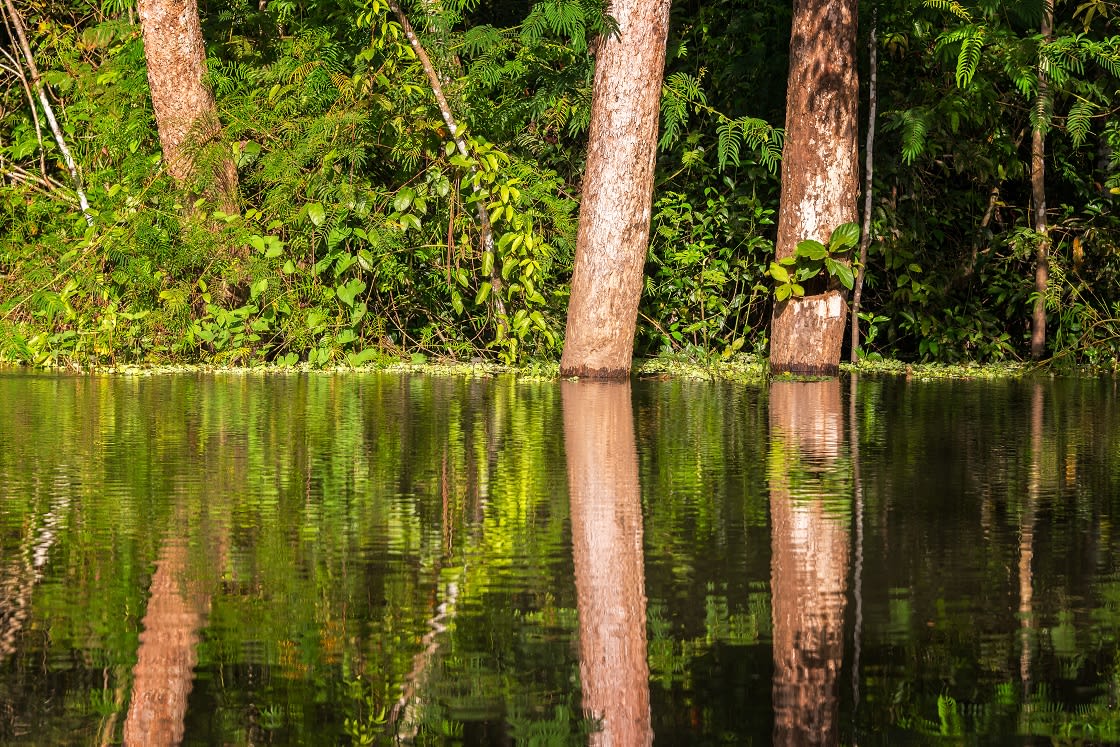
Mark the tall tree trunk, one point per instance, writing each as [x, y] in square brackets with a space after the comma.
[609, 565]
[820, 176]
[1038, 196]
[617, 193]
[868, 176]
[185, 111]
[809, 563]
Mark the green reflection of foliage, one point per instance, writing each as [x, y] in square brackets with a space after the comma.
[325, 518]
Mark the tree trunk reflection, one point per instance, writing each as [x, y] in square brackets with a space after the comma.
[164, 671]
[607, 550]
[810, 515]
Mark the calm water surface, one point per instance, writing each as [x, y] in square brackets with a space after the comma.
[369, 558]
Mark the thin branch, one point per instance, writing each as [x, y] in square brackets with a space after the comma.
[865, 235]
[485, 229]
[17, 70]
[48, 110]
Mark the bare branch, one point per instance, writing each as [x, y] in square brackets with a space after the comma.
[37, 82]
[485, 229]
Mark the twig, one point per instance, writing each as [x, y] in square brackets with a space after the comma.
[29, 59]
[485, 230]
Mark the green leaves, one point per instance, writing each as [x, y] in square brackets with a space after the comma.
[811, 258]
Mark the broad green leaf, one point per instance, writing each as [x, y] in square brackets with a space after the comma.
[811, 249]
[782, 291]
[779, 273]
[316, 213]
[258, 287]
[483, 293]
[403, 199]
[845, 235]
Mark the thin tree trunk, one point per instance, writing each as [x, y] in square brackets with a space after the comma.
[1038, 197]
[607, 554]
[617, 193]
[186, 114]
[820, 176]
[48, 110]
[868, 174]
[486, 232]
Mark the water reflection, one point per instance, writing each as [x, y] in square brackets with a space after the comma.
[809, 481]
[609, 565]
[164, 671]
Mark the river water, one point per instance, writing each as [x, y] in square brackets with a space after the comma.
[380, 559]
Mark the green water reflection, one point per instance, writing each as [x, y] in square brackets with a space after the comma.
[369, 558]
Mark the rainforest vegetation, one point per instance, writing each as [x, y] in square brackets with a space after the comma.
[363, 224]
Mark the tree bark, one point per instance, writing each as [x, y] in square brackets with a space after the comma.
[186, 114]
[820, 175]
[607, 552]
[617, 193]
[809, 563]
[1038, 197]
[868, 177]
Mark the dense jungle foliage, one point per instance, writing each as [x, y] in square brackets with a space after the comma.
[358, 241]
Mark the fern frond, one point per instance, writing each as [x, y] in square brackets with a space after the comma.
[968, 60]
[1079, 120]
[950, 6]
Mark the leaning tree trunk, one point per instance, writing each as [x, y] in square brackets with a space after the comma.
[820, 176]
[1038, 196]
[617, 193]
[186, 115]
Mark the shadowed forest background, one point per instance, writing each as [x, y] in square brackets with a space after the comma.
[352, 232]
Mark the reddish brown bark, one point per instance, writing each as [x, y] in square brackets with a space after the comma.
[164, 671]
[617, 193]
[186, 115]
[607, 551]
[809, 564]
[1038, 197]
[820, 173]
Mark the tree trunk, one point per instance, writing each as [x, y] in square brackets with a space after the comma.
[868, 179]
[1038, 197]
[609, 563]
[809, 562]
[186, 115]
[820, 175]
[617, 193]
